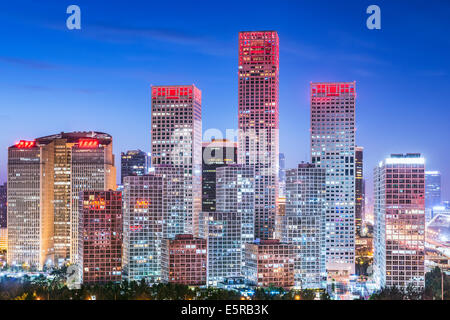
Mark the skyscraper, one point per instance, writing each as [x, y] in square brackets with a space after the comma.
[100, 236]
[282, 177]
[399, 187]
[359, 189]
[154, 210]
[432, 189]
[216, 153]
[134, 163]
[176, 140]
[333, 148]
[55, 169]
[303, 224]
[258, 121]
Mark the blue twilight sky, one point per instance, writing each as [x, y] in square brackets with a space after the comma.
[53, 79]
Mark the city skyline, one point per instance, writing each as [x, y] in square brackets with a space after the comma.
[382, 100]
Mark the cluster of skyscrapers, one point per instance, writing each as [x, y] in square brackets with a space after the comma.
[206, 212]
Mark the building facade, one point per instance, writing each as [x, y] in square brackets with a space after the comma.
[100, 236]
[432, 189]
[359, 190]
[222, 231]
[3, 205]
[176, 137]
[333, 148]
[399, 234]
[134, 163]
[258, 135]
[216, 153]
[303, 224]
[270, 263]
[184, 260]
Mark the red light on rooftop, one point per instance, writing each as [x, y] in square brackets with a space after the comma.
[88, 143]
[22, 144]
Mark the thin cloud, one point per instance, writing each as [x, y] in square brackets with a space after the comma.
[34, 64]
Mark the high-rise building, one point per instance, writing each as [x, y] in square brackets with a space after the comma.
[134, 163]
[3, 205]
[303, 224]
[54, 170]
[270, 263]
[100, 236]
[399, 187]
[236, 193]
[184, 260]
[222, 231]
[154, 210]
[282, 177]
[359, 189]
[176, 137]
[258, 121]
[216, 153]
[432, 189]
[333, 148]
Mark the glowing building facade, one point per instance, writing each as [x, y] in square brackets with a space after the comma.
[100, 236]
[258, 136]
[270, 263]
[176, 140]
[184, 260]
[45, 177]
[333, 148]
[399, 187]
[303, 224]
[359, 190]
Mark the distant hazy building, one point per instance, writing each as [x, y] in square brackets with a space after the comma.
[100, 236]
[270, 263]
[134, 163]
[432, 189]
[184, 260]
[45, 177]
[359, 189]
[304, 224]
[399, 235]
[216, 153]
[282, 176]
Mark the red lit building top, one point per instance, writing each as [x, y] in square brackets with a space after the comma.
[22, 144]
[176, 92]
[332, 89]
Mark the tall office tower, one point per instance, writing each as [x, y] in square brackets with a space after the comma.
[177, 140]
[100, 236]
[134, 163]
[216, 153]
[258, 136]
[399, 187]
[29, 225]
[143, 203]
[184, 260]
[236, 193]
[154, 210]
[359, 190]
[432, 189]
[333, 148]
[270, 263]
[3, 205]
[282, 177]
[66, 164]
[222, 231]
[304, 224]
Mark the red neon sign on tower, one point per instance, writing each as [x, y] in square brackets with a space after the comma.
[88, 143]
[22, 144]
